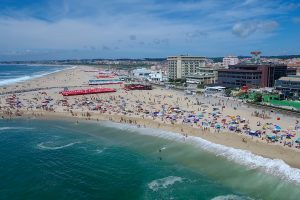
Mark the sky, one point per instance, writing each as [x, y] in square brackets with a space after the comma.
[76, 29]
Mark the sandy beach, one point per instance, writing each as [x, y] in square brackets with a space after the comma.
[216, 119]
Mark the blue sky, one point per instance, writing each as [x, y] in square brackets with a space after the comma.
[62, 29]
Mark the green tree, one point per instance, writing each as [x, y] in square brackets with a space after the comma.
[258, 97]
[200, 86]
[228, 92]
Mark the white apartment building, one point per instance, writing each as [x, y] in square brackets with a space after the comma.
[181, 66]
[230, 60]
[157, 76]
[141, 73]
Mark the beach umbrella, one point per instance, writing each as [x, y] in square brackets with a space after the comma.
[217, 126]
[213, 113]
[277, 128]
[200, 114]
[271, 136]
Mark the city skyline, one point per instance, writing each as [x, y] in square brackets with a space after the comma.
[37, 30]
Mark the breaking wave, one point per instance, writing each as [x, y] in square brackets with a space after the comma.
[15, 128]
[45, 147]
[231, 197]
[25, 78]
[275, 167]
[163, 183]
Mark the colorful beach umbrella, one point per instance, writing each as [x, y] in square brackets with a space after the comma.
[277, 128]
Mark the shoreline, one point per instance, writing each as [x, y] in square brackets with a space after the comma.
[256, 147]
[25, 78]
[74, 77]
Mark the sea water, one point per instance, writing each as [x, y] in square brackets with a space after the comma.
[10, 74]
[41, 159]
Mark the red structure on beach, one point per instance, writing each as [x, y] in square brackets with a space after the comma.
[87, 91]
[135, 86]
[106, 76]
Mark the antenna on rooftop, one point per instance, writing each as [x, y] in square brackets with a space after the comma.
[256, 56]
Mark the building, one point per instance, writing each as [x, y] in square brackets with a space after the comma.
[181, 66]
[157, 76]
[205, 76]
[200, 79]
[141, 73]
[251, 75]
[291, 71]
[230, 60]
[289, 86]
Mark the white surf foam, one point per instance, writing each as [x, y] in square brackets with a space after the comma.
[25, 78]
[231, 197]
[45, 147]
[163, 183]
[275, 167]
[163, 148]
[14, 80]
[99, 151]
[15, 128]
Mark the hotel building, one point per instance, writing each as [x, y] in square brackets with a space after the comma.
[181, 66]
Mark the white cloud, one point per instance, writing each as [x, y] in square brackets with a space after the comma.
[144, 25]
[245, 29]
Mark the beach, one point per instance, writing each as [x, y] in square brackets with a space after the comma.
[159, 108]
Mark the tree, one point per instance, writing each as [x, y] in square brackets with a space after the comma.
[258, 97]
[228, 92]
[200, 86]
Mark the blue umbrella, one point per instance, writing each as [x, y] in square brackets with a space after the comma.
[218, 126]
[277, 128]
[270, 136]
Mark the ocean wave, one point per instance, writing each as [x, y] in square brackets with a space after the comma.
[274, 167]
[15, 128]
[99, 151]
[163, 183]
[14, 80]
[231, 197]
[25, 78]
[45, 147]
